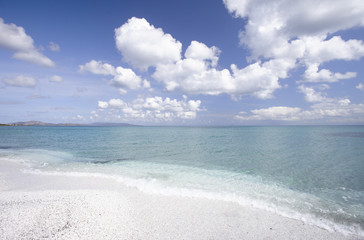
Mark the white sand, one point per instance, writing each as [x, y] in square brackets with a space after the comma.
[57, 207]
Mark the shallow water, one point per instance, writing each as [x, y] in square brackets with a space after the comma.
[312, 173]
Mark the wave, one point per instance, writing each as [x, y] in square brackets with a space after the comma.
[186, 181]
[155, 186]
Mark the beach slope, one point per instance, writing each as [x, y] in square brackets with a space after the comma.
[61, 207]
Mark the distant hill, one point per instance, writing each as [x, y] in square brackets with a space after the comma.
[100, 124]
[39, 123]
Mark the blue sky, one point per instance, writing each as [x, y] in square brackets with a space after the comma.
[231, 62]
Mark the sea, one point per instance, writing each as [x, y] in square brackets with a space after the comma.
[311, 173]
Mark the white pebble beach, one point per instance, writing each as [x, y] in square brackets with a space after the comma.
[62, 207]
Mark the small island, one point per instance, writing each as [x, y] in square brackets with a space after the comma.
[44, 124]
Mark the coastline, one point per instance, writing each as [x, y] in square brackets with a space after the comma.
[66, 207]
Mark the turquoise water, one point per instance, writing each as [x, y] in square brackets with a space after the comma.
[311, 173]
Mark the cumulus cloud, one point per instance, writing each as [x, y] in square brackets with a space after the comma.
[272, 113]
[116, 103]
[324, 108]
[20, 81]
[311, 95]
[97, 67]
[312, 74]
[278, 21]
[314, 96]
[154, 109]
[335, 110]
[102, 104]
[262, 79]
[300, 30]
[196, 74]
[123, 78]
[340, 110]
[14, 38]
[276, 44]
[126, 78]
[200, 51]
[142, 45]
[192, 76]
[323, 105]
[319, 50]
[303, 32]
[56, 78]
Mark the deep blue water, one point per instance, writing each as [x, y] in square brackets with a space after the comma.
[312, 173]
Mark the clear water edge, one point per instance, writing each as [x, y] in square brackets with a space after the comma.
[307, 173]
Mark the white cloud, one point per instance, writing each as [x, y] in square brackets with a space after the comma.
[56, 78]
[276, 45]
[319, 50]
[126, 78]
[272, 113]
[142, 45]
[20, 81]
[146, 84]
[14, 38]
[154, 109]
[53, 47]
[34, 56]
[334, 110]
[269, 33]
[311, 95]
[328, 107]
[123, 78]
[278, 21]
[102, 104]
[261, 80]
[360, 86]
[299, 30]
[323, 108]
[200, 51]
[195, 74]
[116, 103]
[97, 67]
[312, 74]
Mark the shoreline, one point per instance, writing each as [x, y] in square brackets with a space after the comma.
[66, 207]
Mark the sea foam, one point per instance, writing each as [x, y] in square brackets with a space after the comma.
[253, 191]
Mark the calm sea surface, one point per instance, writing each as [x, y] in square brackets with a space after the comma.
[311, 173]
